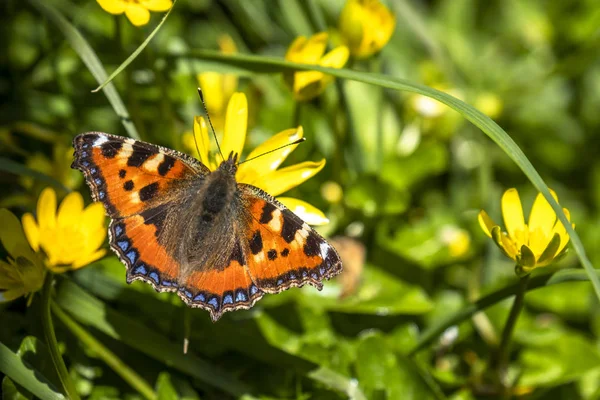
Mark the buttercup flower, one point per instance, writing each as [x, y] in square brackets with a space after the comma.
[263, 172]
[217, 87]
[71, 238]
[23, 272]
[137, 11]
[309, 84]
[533, 244]
[366, 26]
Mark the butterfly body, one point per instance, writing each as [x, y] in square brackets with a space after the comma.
[221, 245]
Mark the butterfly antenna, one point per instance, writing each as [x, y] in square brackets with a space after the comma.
[270, 151]
[210, 123]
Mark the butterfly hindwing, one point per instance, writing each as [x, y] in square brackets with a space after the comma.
[222, 288]
[283, 251]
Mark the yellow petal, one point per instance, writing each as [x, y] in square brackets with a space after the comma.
[201, 135]
[350, 24]
[336, 58]
[284, 179]
[93, 215]
[157, 5]
[11, 233]
[294, 51]
[46, 209]
[542, 216]
[486, 223]
[268, 162]
[562, 232]
[88, 259]
[308, 85]
[512, 212]
[32, 232]
[69, 211]
[307, 212]
[236, 123]
[113, 6]
[137, 14]
[226, 44]
[212, 87]
[314, 48]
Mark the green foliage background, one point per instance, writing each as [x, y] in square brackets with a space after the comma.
[539, 60]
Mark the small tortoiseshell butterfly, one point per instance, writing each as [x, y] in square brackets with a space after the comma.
[221, 245]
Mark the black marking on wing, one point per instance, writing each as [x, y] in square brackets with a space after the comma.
[256, 243]
[165, 166]
[139, 156]
[148, 191]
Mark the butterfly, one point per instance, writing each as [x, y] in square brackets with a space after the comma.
[175, 224]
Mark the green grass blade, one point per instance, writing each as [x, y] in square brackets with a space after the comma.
[536, 282]
[136, 52]
[245, 63]
[90, 59]
[88, 310]
[102, 352]
[13, 167]
[12, 366]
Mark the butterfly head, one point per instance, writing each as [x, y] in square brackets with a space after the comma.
[230, 165]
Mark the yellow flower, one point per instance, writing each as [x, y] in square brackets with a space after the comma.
[533, 244]
[71, 238]
[137, 11]
[366, 26]
[309, 84]
[263, 172]
[23, 272]
[217, 87]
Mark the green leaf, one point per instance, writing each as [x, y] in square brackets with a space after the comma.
[164, 387]
[91, 311]
[22, 373]
[245, 63]
[562, 360]
[10, 391]
[90, 59]
[379, 293]
[378, 369]
[137, 51]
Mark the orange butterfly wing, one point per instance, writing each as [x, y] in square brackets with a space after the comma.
[283, 251]
[132, 179]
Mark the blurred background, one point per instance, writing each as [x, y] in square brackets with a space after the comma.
[404, 180]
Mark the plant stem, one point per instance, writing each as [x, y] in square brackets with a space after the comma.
[501, 359]
[59, 364]
[114, 362]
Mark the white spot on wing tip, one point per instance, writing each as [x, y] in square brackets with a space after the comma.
[100, 141]
[324, 249]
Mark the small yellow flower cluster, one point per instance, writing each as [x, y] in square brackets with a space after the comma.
[137, 11]
[307, 85]
[366, 26]
[531, 245]
[66, 240]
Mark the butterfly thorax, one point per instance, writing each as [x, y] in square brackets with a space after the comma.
[207, 217]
